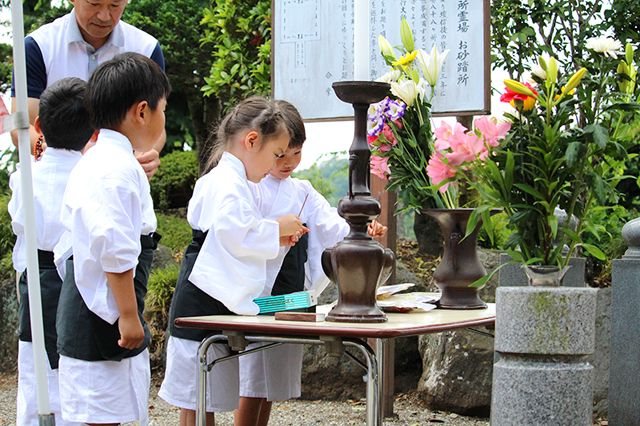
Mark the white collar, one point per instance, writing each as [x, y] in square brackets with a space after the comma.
[235, 163]
[51, 155]
[115, 138]
[116, 37]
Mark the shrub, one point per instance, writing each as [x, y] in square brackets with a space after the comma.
[172, 185]
[160, 289]
[7, 238]
[175, 231]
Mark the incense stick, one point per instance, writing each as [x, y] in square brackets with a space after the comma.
[303, 203]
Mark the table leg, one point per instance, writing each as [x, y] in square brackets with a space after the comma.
[373, 382]
[373, 413]
[201, 380]
[381, 347]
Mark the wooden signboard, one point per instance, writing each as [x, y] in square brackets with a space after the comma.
[312, 47]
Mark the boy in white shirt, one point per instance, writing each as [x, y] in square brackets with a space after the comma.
[102, 335]
[64, 123]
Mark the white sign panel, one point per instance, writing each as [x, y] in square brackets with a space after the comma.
[313, 48]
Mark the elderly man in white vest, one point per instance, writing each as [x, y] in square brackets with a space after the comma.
[74, 45]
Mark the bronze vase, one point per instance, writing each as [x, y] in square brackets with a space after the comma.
[460, 265]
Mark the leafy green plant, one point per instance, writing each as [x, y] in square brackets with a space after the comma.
[160, 288]
[608, 237]
[523, 30]
[172, 185]
[241, 35]
[559, 154]
[7, 238]
[175, 231]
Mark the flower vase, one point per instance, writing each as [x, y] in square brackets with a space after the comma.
[460, 265]
[545, 275]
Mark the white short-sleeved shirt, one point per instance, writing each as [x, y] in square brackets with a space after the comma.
[231, 265]
[276, 198]
[107, 207]
[57, 50]
[50, 177]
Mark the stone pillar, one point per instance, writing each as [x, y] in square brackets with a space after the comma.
[543, 336]
[624, 370]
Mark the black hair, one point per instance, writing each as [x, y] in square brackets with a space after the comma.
[294, 122]
[254, 113]
[64, 120]
[120, 83]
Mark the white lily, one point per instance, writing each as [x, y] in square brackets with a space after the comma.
[393, 75]
[385, 47]
[540, 72]
[422, 89]
[431, 64]
[406, 90]
[605, 45]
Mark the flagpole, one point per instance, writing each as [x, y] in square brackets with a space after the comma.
[21, 121]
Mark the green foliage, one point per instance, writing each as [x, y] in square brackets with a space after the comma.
[7, 238]
[609, 222]
[160, 289]
[172, 185]
[6, 66]
[175, 231]
[523, 30]
[329, 177]
[187, 62]
[499, 230]
[240, 35]
[566, 153]
[624, 16]
[179, 126]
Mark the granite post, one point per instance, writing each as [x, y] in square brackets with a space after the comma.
[542, 376]
[624, 370]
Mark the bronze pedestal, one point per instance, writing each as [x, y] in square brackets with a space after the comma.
[358, 264]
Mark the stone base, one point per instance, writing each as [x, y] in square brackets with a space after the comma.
[543, 336]
[531, 393]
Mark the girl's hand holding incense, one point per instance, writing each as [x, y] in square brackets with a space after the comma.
[291, 225]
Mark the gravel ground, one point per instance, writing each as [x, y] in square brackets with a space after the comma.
[409, 412]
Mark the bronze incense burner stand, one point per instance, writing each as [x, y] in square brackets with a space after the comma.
[358, 264]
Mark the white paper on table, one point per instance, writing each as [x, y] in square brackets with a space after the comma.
[409, 301]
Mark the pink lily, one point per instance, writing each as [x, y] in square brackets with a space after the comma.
[492, 132]
[465, 149]
[439, 171]
[380, 167]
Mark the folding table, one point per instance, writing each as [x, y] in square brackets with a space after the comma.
[241, 330]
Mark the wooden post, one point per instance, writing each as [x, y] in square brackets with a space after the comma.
[387, 217]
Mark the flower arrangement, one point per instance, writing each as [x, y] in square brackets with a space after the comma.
[562, 150]
[399, 127]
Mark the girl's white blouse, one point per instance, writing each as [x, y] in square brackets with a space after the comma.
[232, 263]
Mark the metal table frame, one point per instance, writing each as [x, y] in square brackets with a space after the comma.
[240, 331]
